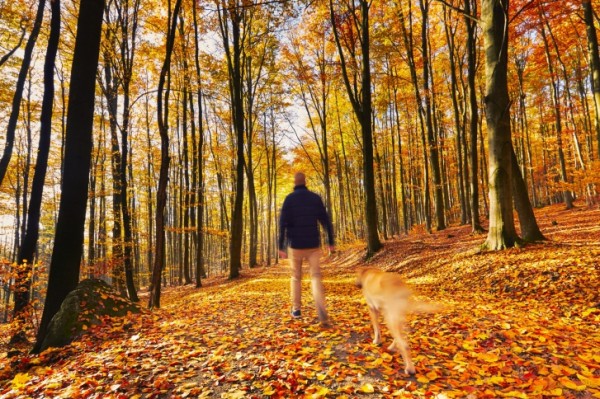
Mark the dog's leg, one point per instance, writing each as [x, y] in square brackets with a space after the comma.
[396, 326]
[376, 327]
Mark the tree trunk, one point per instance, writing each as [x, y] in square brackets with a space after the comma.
[199, 160]
[431, 139]
[459, 129]
[128, 19]
[161, 194]
[568, 198]
[68, 241]
[502, 233]
[29, 245]
[530, 230]
[594, 63]
[474, 115]
[111, 94]
[408, 43]
[16, 102]
[233, 52]
[361, 104]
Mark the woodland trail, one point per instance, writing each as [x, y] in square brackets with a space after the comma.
[522, 323]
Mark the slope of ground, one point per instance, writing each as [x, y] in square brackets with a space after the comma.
[521, 323]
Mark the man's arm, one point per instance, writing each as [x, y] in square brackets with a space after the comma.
[282, 229]
[325, 221]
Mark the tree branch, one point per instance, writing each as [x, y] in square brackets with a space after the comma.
[460, 10]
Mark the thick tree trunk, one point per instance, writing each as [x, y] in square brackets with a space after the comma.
[502, 233]
[68, 241]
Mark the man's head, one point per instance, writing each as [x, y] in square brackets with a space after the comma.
[299, 179]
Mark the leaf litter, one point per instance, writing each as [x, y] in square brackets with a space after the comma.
[521, 323]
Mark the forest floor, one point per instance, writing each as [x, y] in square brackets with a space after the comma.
[521, 323]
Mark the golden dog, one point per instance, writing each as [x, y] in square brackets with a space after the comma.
[386, 293]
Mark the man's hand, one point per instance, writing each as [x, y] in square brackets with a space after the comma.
[282, 254]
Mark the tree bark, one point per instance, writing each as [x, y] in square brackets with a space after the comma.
[362, 106]
[567, 197]
[17, 97]
[199, 161]
[128, 23]
[233, 52]
[530, 230]
[502, 233]
[590, 28]
[474, 114]
[434, 153]
[28, 247]
[408, 43]
[161, 194]
[68, 241]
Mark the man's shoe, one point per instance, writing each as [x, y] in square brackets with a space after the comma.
[296, 314]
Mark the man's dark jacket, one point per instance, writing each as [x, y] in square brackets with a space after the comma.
[301, 212]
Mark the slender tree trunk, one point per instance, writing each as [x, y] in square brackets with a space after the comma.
[16, 102]
[110, 91]
[28, 247]
[68, 242]
[128, 23]
[594, 63]
[431, 139]
[362, 105]
[457, 116]
[161, 194]
[474, 114]
[199, 159]
[408, 43]
[567, 197]
[502, 233]
[150, 180]
[233, 53]
[530, 230]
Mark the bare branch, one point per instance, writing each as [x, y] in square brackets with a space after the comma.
[460, 10]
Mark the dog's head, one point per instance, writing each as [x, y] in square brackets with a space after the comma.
[360, 276]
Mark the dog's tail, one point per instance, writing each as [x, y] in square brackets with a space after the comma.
[416, 306]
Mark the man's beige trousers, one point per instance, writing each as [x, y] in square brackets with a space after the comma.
[297, 256]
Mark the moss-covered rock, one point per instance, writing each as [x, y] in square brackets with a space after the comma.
[87, 304]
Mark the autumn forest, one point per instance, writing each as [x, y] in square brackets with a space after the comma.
[150, 144]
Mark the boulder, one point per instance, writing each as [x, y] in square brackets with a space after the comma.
[89, 303]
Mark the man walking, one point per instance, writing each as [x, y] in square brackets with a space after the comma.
[301, 213]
